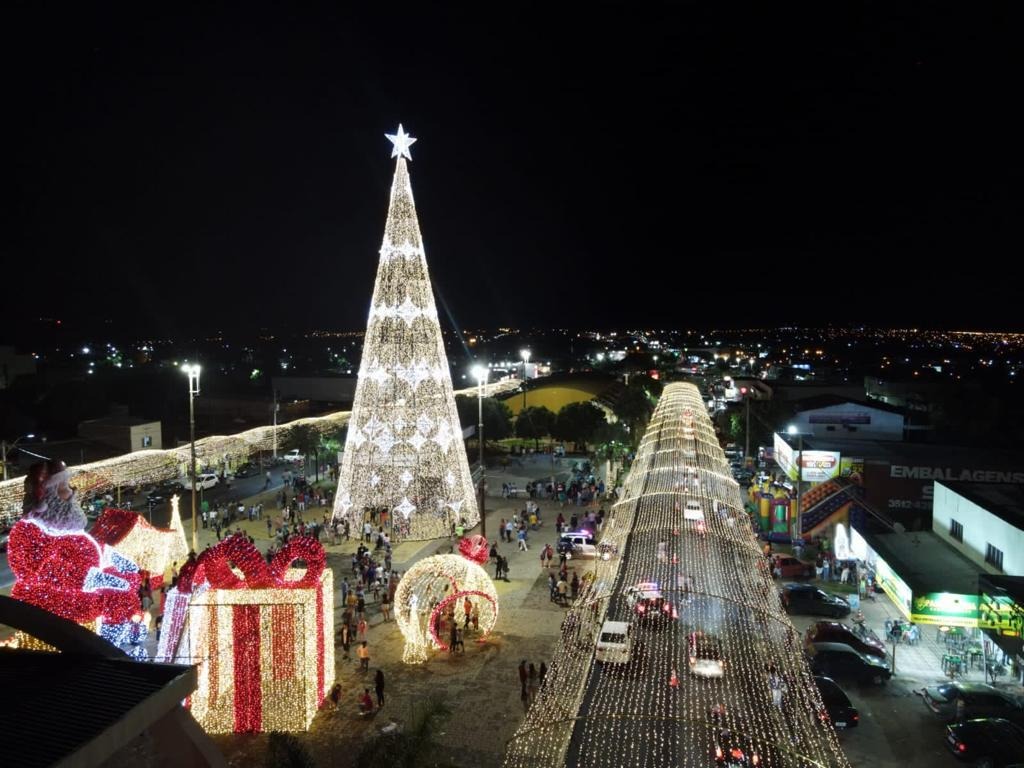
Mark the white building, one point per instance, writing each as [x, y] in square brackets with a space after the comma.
[984, 521]
[830, 417]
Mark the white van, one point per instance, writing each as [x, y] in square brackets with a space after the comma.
[615, 643]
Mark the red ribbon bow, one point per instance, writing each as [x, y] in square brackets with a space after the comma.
[215, 565]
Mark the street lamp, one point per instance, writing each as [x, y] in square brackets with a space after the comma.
[525, 354]
[5, 449]
[193, 389]
[480, 374]
[793, 430]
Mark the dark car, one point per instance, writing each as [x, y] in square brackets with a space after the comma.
[980, 700]
[990, 742]
[837, 660]
[836, 632]
[162, 492]
[737, 750]
[838, 709]
[247, 470]
[808, 599]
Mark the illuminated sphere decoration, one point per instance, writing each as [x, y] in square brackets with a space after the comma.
[437, 587]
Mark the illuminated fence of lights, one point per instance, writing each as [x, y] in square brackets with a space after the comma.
[146, 467]
[658, 710]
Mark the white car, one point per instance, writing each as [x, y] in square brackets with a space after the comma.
[204, 482]
[294, 456]
[705, 656]
[693, 514]
[615, 643]
[578, 544]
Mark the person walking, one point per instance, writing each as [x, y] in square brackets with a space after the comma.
[532, 682]
[378, 684]
[575, 585]
[523, 674]
[361, 630]
[542, 673]
[467, 608]
[364, 657]
[562, 587]
[777, 686]
[385, 607]
[522, 541]
[346, 638]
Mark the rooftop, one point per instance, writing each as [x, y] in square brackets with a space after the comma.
[925, 562]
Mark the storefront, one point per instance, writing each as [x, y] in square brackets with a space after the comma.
[1001, 619]
[926, 579]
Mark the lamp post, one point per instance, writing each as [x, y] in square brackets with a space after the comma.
[480, 374]
[793, 430]
[5, 449]
[193, 389]
[525, 354]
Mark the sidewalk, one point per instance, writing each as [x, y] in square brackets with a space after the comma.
[481, 687]
[922, 662]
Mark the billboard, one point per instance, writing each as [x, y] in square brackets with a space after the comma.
[785, 457]
[819, 466]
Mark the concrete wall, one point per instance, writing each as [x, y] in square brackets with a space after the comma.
[150, 430]
[980, 529]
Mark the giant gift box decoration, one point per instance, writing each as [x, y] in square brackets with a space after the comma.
[263, 636]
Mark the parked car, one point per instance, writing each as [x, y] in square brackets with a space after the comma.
[204, 481]
[991, 742]
[247, 470]
[980, 700]
[838, 708]
[789, 567]
[648, 604]
[705, 655]
[838, 660]
[293, 456]
[836, 632]
[615, 643]
[808, 599]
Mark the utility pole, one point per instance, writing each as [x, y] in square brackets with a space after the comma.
[746, 453]
[275, 423]
[483, 469]
[193, 390]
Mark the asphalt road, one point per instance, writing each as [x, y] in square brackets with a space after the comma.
[630, 715]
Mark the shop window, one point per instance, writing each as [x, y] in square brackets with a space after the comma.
[994, 556]
[956, 530]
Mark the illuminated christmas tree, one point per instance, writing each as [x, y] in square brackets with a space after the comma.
[404, 464]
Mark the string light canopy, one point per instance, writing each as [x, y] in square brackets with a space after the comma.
[719, 675]
[404, 456]
[153, 466]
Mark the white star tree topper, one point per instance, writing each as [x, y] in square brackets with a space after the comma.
[401, 141]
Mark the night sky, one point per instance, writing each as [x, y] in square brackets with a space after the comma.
[685, 164]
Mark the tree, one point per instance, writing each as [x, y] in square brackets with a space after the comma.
[306, 439]
[735, 430]
[533, 423]
[578, 422]
[612, 442]
[404, 450]
[497, 416]
[636, 404]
